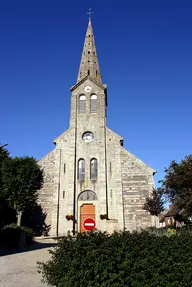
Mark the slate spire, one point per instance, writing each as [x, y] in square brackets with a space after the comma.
[89, 62]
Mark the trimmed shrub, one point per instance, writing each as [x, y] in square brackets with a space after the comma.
[185, 229]
[28, 234]
[121, 259]
[10, 235]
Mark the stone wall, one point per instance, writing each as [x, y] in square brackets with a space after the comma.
[137, 181]
[46, 193]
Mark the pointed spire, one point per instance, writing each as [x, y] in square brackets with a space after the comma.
[89, 62]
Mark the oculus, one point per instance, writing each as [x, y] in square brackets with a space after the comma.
[87, 89]
[88, 137]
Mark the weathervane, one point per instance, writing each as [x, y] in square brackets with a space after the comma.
[89, 13]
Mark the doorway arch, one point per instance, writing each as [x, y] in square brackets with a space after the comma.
[87, 195]
[87, 201]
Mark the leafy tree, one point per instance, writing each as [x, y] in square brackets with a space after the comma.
[177, 184]
[4, 156]
[154, 203]
[22, 179]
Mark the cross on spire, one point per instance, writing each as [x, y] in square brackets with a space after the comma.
[89, 13]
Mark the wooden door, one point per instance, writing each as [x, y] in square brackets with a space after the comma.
[86, 211]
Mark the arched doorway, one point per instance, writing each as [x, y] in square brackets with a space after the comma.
[87, 207]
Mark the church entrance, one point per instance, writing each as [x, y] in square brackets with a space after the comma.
[86, 211]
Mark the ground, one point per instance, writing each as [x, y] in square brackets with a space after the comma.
[19, 267]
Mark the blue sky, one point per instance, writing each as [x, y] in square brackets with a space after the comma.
[145, 57]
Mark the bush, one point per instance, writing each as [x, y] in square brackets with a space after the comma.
[170, 230]
[121, 259]
[28, 234]
[10, 235]
[185, 229]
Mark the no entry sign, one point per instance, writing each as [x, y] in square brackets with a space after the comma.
[89, 223]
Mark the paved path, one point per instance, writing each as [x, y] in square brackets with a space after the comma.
[20, 268]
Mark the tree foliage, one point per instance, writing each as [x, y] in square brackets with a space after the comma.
[22, 179]
[154, 203]
[177, 184]
[4, 156]
[121, 259]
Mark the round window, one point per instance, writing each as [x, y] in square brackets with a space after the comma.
[88, 136]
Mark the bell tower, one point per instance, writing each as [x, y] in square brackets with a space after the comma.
[89, 92]
[88, 121]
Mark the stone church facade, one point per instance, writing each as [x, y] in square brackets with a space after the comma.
[89, 174]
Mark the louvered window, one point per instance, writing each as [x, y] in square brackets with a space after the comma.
[93, 104]
[93, 168]
[82, 104]
[81, 169]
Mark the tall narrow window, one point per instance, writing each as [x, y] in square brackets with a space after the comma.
[93, 168]
[93, 104]
[81, 169]
[82, 104]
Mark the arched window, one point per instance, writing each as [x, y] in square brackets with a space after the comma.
[81, 169]
[82, 104]
[93, 168]
[87, 195]
[93, 104]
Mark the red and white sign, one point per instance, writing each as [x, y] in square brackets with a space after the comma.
[89, 224]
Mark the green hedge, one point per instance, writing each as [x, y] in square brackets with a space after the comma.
[122, 259]
[10, 235]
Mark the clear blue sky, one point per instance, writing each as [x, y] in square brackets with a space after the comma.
[145, 56]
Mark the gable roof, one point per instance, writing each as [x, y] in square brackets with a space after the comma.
[104, 87]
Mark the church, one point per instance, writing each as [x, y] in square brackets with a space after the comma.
[90, 180]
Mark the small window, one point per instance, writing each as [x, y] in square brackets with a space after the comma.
[63, 193]
[93, 104]
[89, 35]
[93, 169]
[96, 73]
[64, 168]
[121, 142]
[82, 104]
[88, 72]
[88, 52]
[81, 169]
